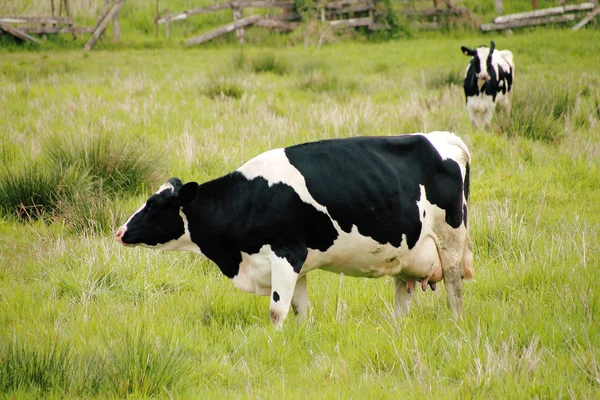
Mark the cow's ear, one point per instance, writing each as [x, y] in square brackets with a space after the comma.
[492, 46]
[467, 51]
[188, 193]
[176, 182]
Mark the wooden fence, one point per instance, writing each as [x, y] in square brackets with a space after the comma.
[43, 25]
[343, 13]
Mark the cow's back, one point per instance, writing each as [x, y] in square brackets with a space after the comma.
[375, 183]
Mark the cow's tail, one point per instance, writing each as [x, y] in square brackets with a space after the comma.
[467, 254]
[467, 258]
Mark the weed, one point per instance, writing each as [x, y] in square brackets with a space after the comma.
[269, 62]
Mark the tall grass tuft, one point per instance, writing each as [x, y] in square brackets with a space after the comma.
[223, 87]
[91, 212]
[36, 190]
[538, 112]
[435, 80]
[135, 365]
[320, 82]
[269, 62]
[38, 368]
[117, 165]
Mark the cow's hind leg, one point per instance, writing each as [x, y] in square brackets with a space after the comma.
[403, 295]
[300, 298]
[451, 244]
[285, 267]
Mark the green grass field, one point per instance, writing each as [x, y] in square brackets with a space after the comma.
[86, 136]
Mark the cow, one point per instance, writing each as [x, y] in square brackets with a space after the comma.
[488, 82]
[361, 206]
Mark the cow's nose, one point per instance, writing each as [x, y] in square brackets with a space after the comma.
[119, 234]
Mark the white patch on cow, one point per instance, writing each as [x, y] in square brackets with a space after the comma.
[354, 254]
[275, 167]
[449, 146]
[166, 186]
[183, 243]
[254, 275]
[283, 283]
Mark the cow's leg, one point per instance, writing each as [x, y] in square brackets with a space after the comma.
[487, 116]
[285, 267]
[450, 249]
[300, 298]
[402, 297]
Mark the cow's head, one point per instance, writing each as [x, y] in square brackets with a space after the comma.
[160, 223]
[482, 60]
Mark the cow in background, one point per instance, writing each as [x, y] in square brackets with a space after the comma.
[488, 82]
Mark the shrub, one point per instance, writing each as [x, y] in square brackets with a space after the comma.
[116, 164]
[223, 87]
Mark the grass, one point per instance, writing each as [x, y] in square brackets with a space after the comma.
[82, 317]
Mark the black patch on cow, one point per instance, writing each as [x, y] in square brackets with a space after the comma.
[467, 183]
[470, 82]
[233, 214]
[373, 183]
[424, 213]
[275, 297]
[466, 189]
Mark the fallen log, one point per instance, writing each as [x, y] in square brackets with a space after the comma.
[521, 23]
[276, 24]
[366, 21]
[432, 12]
[19, 34]
[103, 25]
[40, 30]
[544, 12]
[590, 16]
[37, 20]
[240, 23]
[194, 11]
[223, 6]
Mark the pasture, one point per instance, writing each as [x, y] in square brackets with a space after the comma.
[82, 316]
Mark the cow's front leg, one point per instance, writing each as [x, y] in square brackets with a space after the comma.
[300, 298]
[489, 113]
[285, 268]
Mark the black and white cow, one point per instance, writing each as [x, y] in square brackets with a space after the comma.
[488, 82]
[363, 206]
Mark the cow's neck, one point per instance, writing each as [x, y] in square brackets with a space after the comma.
[212, 223]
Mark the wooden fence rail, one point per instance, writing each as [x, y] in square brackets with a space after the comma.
[560, 14]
